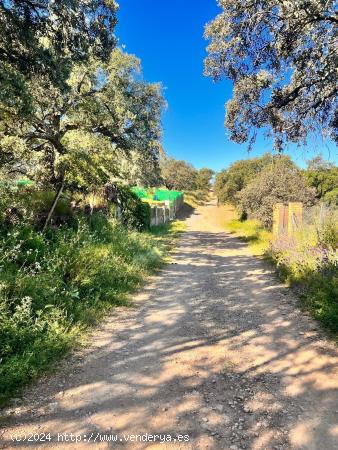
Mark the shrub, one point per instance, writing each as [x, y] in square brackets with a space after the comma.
[29, 205]
[328, 234]
[230, 182]
[135, 213]
[280, 182]
[323, 177]
[309, 261]
[40, 201]
[55, 285]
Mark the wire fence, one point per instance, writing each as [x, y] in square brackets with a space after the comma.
[291, 218]
[320, 215]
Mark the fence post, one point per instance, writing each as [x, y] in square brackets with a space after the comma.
[279, 225]
[295, 217]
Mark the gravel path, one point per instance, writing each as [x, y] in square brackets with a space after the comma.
[215, 348]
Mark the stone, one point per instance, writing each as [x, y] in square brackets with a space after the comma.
[51, 408]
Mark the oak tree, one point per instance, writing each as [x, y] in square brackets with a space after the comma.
[178, 175]
[47, 37]
[281, 56]
[78, 136]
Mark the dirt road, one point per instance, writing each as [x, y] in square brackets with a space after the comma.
[215, 349]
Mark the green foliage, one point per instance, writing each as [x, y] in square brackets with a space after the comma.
[327, 235]
[323, 177]
[30, 206]
[46, 38]
[281, 182]
[84, 137]
[203, 178]
[178, 175]
[135, 213]
[252, 232]
[39, 203]
[317, 289]
[309, 263]
[53, 286]
[231, 181]
[75, 111]
[284, 80]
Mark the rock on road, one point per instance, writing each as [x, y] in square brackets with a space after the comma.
[215, 348]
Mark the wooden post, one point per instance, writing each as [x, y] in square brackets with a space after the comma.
[280, 212]
[295, 217]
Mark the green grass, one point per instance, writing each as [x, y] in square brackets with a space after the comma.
[252, 232]
[196, 198]
[317, 290]
[300, 265]
[54, 287]
[308, 262]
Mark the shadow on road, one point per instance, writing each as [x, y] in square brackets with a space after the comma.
[216, 349]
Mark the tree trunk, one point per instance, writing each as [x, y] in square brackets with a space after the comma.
[52, 208]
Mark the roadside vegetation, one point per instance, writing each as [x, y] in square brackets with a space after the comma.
[307, 260]
[252, 232]
[182, 176]
[196, 198]
[290, 94]
[79, 128]
[309, 263]
[55, 285]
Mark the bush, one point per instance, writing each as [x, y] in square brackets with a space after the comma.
[280, 182]
[309, 262]
[40, 201]
[20, 205]
[230, 182]
[12, 209]
[135, 213]
[31, 206]
[323, 177]
[53, 286]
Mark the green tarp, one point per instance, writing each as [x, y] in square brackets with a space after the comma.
[160, 195]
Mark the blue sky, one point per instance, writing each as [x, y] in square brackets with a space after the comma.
[168, 37]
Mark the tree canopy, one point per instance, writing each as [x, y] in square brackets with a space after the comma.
[281, 182]
[84, 123]
[47, 37]
[323, 176]
[178, 175]
[231, 181]
[203, 178]
[281, 57]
